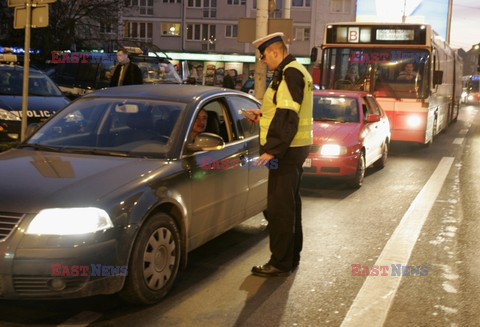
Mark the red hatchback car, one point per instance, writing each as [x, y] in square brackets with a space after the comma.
[350, 133]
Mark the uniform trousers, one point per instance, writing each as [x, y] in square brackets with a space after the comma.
[284, 209]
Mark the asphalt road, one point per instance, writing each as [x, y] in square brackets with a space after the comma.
[421, 210]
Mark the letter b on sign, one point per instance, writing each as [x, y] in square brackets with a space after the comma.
[353, 34]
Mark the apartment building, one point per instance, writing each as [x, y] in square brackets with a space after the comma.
[207, 30]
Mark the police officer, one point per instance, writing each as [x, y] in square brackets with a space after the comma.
[285, 135]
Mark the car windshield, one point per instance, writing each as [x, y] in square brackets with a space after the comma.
[394, 73]
[154, 71]
[112, 127]
[11, 83]
[338, 109]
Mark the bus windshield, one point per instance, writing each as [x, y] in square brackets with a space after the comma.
[393, 73]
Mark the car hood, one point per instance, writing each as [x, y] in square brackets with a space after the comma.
[12, 102]
[32, 180]
[335, 132]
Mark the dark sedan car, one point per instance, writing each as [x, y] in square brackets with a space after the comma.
[109, 195]
[44, 99]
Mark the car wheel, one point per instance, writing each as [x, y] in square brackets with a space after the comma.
[154, 262]
[357, 181]
[380, 163]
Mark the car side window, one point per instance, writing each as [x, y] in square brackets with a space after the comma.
[366, 108]
[236, 104]
[373, 104]
[219, 122]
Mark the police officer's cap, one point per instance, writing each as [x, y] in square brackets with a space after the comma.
[262, 43]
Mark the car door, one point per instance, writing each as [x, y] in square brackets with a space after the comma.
[383, 124]
[257, 176]
[371, 132]
[219, 181]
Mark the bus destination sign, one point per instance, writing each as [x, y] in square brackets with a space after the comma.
[395, 35]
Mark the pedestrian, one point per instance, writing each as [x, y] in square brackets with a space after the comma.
[285, 121]
[126, 72]
[229, 80]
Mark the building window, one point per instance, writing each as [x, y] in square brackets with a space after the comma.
[340, 6]
[138, 30]
[236, 2]
[106, 27]
[170, 29]
[195, 3]
[205, 33]
[302, 34]
[231, 31]
[172, 1]
[210, 8]
[146, 7]
[300, 3]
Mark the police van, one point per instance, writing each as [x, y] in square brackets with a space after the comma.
[96, 70]
[44, 98]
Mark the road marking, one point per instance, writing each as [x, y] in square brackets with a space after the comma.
[463, 131]
[373, 301]
[458, 140]
[82, 319]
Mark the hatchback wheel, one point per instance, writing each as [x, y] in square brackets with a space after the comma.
[357, 181]
[154, 261]
[380, 163]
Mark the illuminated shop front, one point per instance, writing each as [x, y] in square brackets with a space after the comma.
[211, 69]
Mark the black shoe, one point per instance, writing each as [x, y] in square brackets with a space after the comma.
[267, 270]
[294, 266]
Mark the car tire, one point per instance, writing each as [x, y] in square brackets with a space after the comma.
[154, 261]
[357, 181]
[380, 163]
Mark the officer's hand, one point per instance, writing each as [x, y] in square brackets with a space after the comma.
[253, 115]
[264, 159]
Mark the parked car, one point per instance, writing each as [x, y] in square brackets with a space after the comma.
[77, 79]
[112, 181]
[350, 133]
[249, 85]
[44, 99]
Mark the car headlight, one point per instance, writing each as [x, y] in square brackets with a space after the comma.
[414, 121]
[69, 221]
[332, 150]
[7, 115]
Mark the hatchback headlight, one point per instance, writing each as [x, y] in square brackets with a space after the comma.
[69, 221]
[7, 115]
[332, 150]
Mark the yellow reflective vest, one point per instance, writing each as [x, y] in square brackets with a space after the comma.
[304, 135]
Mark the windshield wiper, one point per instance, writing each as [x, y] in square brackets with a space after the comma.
[97, 151]
[325, 119]
[40, 147]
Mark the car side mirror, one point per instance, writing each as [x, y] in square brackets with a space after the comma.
[206, 142]
[372, 118]
[314, 54]
[437, 77]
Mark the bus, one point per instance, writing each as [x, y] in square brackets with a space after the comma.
[412, 72]
[471, 89]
